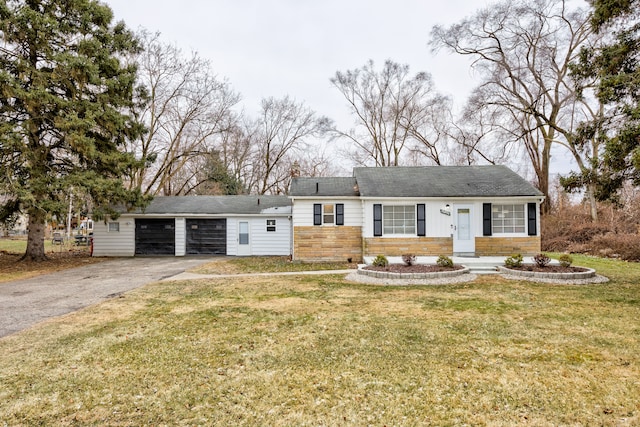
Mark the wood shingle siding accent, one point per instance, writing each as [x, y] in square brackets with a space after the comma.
[498, 246]
[420, 246]
[327, 243]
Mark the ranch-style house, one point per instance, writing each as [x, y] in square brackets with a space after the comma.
[425, 211]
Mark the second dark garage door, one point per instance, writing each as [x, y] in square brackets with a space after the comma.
[206, 236]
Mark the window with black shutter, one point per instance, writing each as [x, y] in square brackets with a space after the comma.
[531, 219]
[421, 220]
[317, 214]
[377, 220]
[339, 214]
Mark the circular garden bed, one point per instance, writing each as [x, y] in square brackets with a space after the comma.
[549, 272]
[414, 271]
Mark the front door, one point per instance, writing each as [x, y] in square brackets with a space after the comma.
[463, 239]
[244, 242]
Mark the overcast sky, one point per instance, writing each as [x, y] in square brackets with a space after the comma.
[293, 47]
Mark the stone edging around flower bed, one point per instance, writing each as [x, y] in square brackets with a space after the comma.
[590, 273]
[406, 276]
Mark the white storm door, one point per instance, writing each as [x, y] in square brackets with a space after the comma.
[244, 241]
[463, 239]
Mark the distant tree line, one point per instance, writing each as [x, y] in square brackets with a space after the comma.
[92, 110]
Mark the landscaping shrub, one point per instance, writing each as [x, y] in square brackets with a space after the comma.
[622, 246]
[409, 259]
[616, 234]
[444, 261]
[541, 260]
[514, 261]
[380, 261]
[565, 260]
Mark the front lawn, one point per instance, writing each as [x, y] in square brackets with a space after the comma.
[61, 257]
[316, 350]
[266, 264]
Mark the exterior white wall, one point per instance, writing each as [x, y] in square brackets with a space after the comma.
[232, 236]
[181, 237]
[302, 212]
[261, 241]
[115, 243]
[439, 224]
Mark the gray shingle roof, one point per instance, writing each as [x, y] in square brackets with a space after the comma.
[216, 204]
[324, 186]
[442, 181]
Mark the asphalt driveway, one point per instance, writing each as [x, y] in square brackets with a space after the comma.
[24, 303]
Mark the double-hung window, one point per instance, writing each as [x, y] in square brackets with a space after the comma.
[507, 218]
[408, 220]
[399, 219]
[328, 214]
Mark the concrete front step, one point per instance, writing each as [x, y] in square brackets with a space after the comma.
[482, 269]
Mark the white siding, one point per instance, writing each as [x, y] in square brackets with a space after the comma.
[265, 242]
[303, 211]
[181, 237]
[115, 243]
[232, 236]
[261, 241]
[437, 224]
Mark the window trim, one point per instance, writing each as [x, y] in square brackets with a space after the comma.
[331, 215]
[115, 224]
[518, 222]
[407, 209]
[319, 214]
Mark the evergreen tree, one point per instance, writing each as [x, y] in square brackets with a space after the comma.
[616, 66]
[64, 92]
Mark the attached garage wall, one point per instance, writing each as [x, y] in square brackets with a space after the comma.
[155, 236]
[263, 241]
[206, 236]
[119, 241]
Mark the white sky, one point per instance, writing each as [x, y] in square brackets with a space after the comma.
[293, 47]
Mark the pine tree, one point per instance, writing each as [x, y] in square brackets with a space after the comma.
[616, 67]
[65, 89]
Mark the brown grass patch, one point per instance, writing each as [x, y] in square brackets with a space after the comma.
[12, 268]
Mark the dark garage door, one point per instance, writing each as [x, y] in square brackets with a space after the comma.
[155, 236]
[207, 236]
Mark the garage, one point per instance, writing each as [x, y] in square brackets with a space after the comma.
[155, 236]
[206, 236]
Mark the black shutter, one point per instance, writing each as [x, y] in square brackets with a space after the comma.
[377, 220]
[422, 229]
[317, 214]
[339, 214]
[486, 219]
[531, 219]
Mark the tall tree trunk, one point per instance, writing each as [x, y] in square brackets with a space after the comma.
[35, 239]
[593, 206]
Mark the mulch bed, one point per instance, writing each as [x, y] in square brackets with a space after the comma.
[415, 268]
[548, 268]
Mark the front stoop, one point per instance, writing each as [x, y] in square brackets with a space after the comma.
[482, 268]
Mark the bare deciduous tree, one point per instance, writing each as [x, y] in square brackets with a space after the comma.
[391, 110]
[523, 51]
[184, 108]
[280, 135]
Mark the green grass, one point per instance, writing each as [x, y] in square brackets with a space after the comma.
[266, 264]
[19, 245]
[316, 350]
